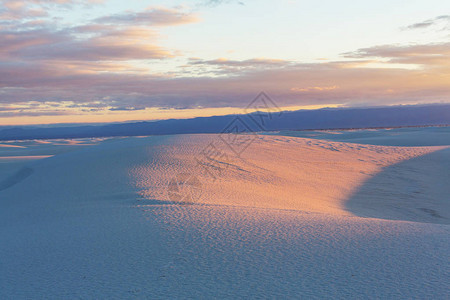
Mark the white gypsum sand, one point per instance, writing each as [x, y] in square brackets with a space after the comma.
[283, 221]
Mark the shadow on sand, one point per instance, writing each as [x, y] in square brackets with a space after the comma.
[414, 190]
[15, 178]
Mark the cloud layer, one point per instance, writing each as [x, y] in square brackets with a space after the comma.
[439, 20]
[105, 64]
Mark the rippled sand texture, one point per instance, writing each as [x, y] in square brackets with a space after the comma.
[290, 217]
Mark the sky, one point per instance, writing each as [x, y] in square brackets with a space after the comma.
[67, 61]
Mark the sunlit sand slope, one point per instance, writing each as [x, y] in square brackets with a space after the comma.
[292, 173]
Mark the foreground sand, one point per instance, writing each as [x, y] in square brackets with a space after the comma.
[288, 218]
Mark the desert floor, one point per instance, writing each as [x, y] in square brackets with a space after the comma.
[337, 214]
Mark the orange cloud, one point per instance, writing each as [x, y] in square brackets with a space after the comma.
[315, 88]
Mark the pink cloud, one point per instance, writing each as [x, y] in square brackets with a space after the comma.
[431, 55]
[129, 36]
[154, 16]
[20, 10]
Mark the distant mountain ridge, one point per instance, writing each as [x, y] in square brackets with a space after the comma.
[341, 118]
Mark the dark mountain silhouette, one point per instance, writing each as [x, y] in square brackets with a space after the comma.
[328, 118]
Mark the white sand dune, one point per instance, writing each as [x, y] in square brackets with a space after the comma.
[407, 137]
[417, 189]
[22, 157]
[15, 155]
[286, 219]
[11, 146]
[277, 172]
